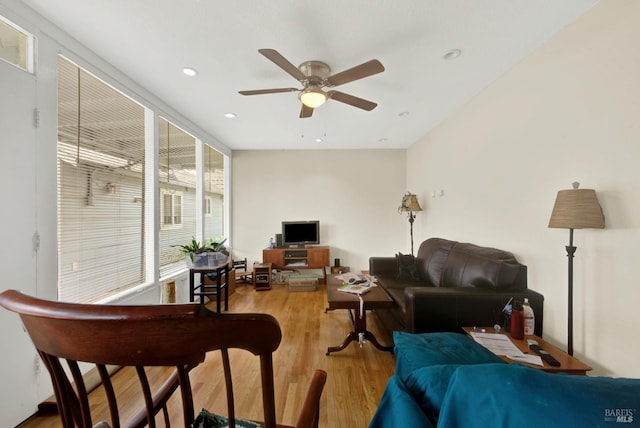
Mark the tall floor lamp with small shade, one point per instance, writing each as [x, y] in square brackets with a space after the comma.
[410, 206]
[575, 209]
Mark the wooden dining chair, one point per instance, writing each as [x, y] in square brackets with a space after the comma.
[241, 271]
[178, 336]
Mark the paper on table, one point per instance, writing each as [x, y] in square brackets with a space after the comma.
[497, 343]
[524, 358]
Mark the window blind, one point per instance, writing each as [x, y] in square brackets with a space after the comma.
[100, 187]
[177, 172]
[214, 191]
[101, 169]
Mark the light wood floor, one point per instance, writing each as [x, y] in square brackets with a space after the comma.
[356, 376]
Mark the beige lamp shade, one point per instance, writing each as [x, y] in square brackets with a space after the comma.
[409, 204]
[577, 209]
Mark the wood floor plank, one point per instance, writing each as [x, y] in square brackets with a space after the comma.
[356, 378]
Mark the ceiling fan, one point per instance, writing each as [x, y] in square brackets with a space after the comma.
[316, 75]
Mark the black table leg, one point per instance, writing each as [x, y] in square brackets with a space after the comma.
[191, 285]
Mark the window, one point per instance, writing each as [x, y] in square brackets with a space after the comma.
[171, 209]
[177, 172]
[102, 196]
[16, 46]
[213, 192]
[101, 156]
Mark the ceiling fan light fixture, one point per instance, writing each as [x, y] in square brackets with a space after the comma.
[313, 97]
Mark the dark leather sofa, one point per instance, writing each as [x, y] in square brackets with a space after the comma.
[452, 285]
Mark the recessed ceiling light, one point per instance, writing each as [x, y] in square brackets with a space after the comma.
[190, 71]
[318, 140]
[452, 54]
[230, 115]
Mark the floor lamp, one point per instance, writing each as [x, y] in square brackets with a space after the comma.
[411, 206]
[575, 209]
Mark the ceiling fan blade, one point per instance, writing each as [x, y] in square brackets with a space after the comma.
[351, 100]
[268, 91]
[283, 63]
[366, 69]
[305, 111]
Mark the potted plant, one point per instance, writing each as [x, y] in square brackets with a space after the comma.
[217, 245]
[195, 253]
[201, 255]
[216, 250]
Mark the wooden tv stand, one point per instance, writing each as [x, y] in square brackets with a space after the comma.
[298, 258]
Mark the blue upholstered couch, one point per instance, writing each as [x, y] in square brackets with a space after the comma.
[448, 380]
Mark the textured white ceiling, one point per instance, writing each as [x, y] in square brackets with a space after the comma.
[152, 40]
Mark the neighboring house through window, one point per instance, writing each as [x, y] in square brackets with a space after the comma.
[171, 209]
[101, 156]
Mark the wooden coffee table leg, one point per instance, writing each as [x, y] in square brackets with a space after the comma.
[371, 338]
[350, 338]
[359, 334]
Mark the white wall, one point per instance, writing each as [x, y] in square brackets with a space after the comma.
[569, 112]
[354, 194]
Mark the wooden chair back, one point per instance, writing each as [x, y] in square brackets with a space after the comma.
[176, 336]
[241, 270]
[240, 264]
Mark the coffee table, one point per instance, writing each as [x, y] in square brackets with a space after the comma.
[568, 364]
[377, 298]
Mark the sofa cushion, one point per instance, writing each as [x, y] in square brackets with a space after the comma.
[389, 282]
[518, 396]
[397, 294]
[469, 265]
[395, 288]
[428, 387]
[414, 351]
[397, 408]
[431, 257]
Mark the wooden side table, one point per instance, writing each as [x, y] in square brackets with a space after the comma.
[262, 276]
[568, 364]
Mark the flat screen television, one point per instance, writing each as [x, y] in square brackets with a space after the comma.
[300, 233]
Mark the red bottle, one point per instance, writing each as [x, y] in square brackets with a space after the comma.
[517, 320]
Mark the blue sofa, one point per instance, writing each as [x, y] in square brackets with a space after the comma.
[448, 380]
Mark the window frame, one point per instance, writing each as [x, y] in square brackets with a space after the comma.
[29, 47]
[173, 195]
[184, 183]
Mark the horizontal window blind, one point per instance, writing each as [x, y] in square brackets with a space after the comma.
[214, 191]
[100, 187]
[101, 205]
[177, 172]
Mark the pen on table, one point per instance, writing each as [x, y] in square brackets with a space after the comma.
[481, 330]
